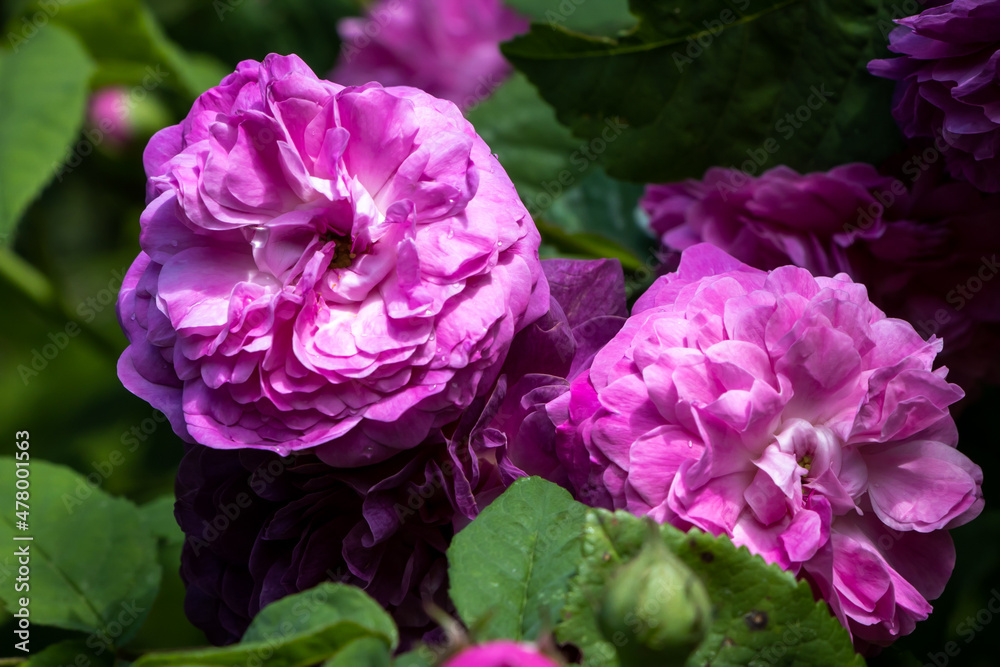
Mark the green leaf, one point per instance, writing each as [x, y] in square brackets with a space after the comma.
[73, 652]
[421, 656]
[43, 85]
[510, 568]
[608, 207]
[93, 562]
[364, 652]
[167, 626]
[532, 146]
[606, 17]
[131, 48]
[763, 616]
[721, 82]
[325, 605]
[556, 177]
[297, 631]
[158, 517]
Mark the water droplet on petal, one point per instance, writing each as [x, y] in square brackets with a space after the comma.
[173, 244]
[259, 238]
[133, 317]
[282, 451]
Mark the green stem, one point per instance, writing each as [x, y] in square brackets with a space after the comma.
[587, 245]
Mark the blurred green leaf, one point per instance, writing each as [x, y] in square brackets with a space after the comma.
[602, 205]
[720, 82]
[93, 562]
[43, 85]
[762, 615]
[297, 631]
[131, 49]
[422, 656]
[522, 131]
[510, 568]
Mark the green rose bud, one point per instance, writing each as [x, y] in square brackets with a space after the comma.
[655, 610]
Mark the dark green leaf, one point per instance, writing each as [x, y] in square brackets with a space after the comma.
[510, 568]
[606, 17]
[324, 605]
[763, 616]
[721, 82]
[548, 166]
[93, 562]
[296, 631]
[43, 88]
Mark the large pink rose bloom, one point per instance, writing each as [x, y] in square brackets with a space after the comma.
[323, 264]
[450, 48]
[789, 413]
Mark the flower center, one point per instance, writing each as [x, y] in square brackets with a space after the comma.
[342, 254]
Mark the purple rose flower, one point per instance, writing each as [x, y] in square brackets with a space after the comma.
[323, 264]
[778, 218]
[789, 413]
[449, 48]
[949, 90]
[501, 653]
[260, 527]
[923, 251]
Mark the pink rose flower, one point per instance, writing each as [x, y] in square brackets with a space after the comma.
[789, 413]
[323, 264]
[450, 48]
[501, 654]
[108, 111]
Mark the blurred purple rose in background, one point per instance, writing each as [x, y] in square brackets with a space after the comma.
[449, 48]
[787, 412]
[260, 527]
[323, 264]
[949, 90]
[928, 253]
